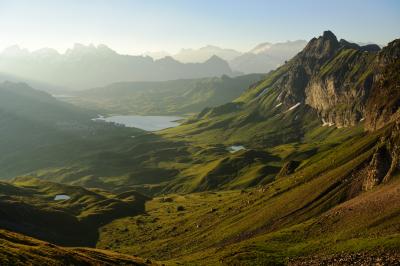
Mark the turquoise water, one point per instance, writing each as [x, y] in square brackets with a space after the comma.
[145, 122]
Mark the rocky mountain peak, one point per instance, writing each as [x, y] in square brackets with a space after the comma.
[305, 65]
[328, 35]
[322, 47]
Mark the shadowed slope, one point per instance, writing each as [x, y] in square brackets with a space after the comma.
[28, 206]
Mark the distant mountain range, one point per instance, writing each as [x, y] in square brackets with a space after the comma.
[267, 56]
[261, 59]
[92, 66]
[83, 67]
[203, 53]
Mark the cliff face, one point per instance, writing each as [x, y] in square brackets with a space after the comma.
[385, 161]
[340, 89]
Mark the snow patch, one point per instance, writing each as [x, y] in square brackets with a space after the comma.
[261, 94]
[294, 106]
[279, 96]
[324, 123]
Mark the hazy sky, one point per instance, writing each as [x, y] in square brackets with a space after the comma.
[151, 25]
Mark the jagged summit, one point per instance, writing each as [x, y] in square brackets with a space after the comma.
[329, 35]
[322, 47]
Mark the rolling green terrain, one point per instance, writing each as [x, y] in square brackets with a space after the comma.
[317, 177]
[324, 207]
[164, 97]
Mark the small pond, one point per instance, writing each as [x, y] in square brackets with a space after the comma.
[235, 148]
[62, 197]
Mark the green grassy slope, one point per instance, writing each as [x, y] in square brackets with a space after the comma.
[164, 97]
[319, 209]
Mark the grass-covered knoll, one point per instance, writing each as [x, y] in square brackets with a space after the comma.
[28, 206]
[319, 209]
[164, 97]
[16, 249]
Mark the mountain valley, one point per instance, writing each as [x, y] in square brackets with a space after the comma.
[299, 166]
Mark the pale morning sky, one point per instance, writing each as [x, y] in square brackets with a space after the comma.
[134, 27]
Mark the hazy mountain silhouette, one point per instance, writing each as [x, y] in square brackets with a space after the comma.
[91, 66]
[266, 56]
[203, 53]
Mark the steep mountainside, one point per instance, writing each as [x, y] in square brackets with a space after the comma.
[329, 83]
[164, 97]
[84, 67]
[383, 103]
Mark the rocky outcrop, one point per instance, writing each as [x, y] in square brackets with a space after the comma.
[288, 168]
[378, 168]
[385, 160]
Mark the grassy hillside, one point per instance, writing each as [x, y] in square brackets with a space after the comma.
[165, 97]
[320, 209]
[16, 249]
